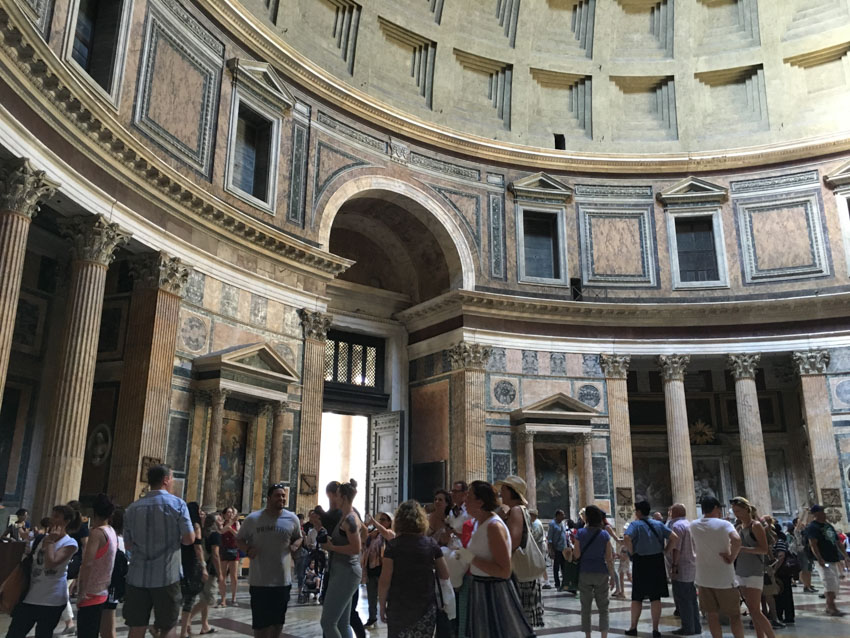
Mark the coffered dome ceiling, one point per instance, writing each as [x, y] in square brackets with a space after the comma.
[601, 76]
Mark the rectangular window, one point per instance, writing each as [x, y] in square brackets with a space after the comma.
[252, 153]
[97, 32]
[696, 249]
[354, 359]
[540, 241]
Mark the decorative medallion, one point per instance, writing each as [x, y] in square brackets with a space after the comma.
[505, 392]
[842, 391]
[589, 394]
[701, 433]
[99, 445]
[194, 333]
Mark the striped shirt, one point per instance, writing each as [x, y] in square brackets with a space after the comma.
[153, 528]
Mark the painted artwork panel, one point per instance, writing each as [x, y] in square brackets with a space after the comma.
[234, 437]
[652, 482]
[601, 485]
[552, 481]
[178, 436]
[777, 474]
[707, 479]
[99, 440]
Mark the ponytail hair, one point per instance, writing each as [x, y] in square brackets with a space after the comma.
[73, 518]
[348, 490]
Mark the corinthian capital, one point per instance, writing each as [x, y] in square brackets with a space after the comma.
[23, 188]
[614, 366]
[743, 366]
[811, 361]
[673, 366]
[159, 270]
[218, 396]
[469, 355]
[93, 238]
[316, 324]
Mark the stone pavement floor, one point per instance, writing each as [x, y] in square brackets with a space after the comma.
[562, 618]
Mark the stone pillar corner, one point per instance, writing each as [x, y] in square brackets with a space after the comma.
[23, 187]
[315, 324]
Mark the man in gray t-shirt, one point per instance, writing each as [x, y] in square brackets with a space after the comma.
[268, 537]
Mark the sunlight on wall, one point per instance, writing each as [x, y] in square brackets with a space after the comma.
[344, 451]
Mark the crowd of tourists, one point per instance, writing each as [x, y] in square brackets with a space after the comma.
[471, 564]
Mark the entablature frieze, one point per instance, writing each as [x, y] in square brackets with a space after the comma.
[33, 68]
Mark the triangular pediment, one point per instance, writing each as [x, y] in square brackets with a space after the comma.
[559, 402]
[259, 358]
[541, 187]
[840, 177]
[692, 190]
[263, 81]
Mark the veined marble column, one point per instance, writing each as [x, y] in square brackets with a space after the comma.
[811, 365]
[756, 482]
[586, 452]
[316, 326]
[527, 440]
[211, 475]
[93, 242]
[141, 425]
[615, 368]
[276, 470]
[468, 438]
[678, 435]
[22, 188]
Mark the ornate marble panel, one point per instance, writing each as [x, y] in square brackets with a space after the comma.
[330, 162]
[298, 173]
[468, 208]
[504, 393]
[179, 80]
[617, 245]
[496, 208]
[782, 237]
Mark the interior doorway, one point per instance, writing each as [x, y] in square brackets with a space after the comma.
[344, 454]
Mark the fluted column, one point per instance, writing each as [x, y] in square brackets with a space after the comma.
[141, 426]
[316, 326]
[615, 367]
[468, 436]
[586, 451]
[811, 365]
[756, 482]
[211, 475]
[22, 188]
[678, 436]
[93, 242]
[276, 469]
[527, 441]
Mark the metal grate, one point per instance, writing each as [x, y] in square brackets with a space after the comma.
[342, 363]
[329, 360]
[356, 364]
[371, 357]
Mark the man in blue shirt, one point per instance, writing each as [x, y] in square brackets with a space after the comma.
[556, 538]
[154, 528]
[644, 539]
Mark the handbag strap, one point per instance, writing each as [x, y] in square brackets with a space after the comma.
[589, 543]
[654, 533]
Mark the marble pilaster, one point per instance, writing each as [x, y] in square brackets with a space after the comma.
[211, 475]
[615, 368]
[526, 439]
[811, 366]
[316, 325]
[276, 469]
[586, 452]
[141, 426]
[678, 435]
[756, 482]
[468, 438]
[22, 188]
[93, 242]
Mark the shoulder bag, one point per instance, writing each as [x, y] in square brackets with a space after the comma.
[14, 589]
[528, 562]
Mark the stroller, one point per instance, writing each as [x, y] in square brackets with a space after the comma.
[312, 584]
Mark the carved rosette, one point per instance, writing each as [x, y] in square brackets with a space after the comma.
[615, 366]
[673, 366]
[23, 188]
[160, 270]
[316, 324]
[469, 355]
[811, 361]
[93, 238]
[743, 366]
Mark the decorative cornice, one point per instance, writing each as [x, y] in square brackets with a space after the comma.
[466, 355]
[743, 366]
[259, 37]
[615, 366]
[316, 324]
[541, 188]
[95, 130]
[692, 191]
[159, 270]
[811, 362]
[23, 187]
[839, 179]
[93, 238]
[673, 366]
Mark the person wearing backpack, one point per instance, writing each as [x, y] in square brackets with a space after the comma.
[645, 540]
[592, 550]
[786, 568]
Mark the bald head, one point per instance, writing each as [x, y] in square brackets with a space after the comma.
[678, 511]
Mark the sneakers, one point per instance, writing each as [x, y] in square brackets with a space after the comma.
[656, 633]
[631, 632]
[777, 624]
[547, 586]
[370, 622]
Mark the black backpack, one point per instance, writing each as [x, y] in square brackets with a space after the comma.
[117, 586]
